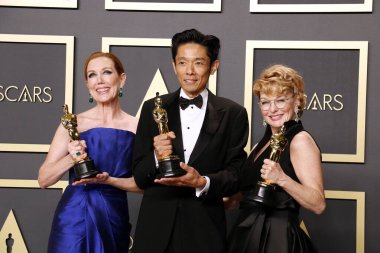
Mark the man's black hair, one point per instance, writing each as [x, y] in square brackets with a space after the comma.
[211, 42]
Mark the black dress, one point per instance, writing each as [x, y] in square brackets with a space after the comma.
[275, 229]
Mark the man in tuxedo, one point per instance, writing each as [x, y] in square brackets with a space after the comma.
[185, 214]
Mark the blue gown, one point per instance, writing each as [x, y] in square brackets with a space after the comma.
[94, 218]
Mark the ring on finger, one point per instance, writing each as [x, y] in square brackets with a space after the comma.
[78, 153]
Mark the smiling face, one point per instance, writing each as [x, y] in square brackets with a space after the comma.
[277, 109]
[280, 90]
[193, 68]
[103, 81]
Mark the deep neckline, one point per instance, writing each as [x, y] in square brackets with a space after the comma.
[290, 126]
[262, 153]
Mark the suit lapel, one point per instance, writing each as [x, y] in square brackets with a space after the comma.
[212, 120]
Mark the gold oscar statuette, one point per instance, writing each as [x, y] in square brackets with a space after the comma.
[168, 166]
[264, 191]
[84, 168]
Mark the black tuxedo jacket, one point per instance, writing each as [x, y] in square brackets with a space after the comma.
[219, 153]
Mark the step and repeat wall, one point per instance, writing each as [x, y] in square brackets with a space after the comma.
[334, 44]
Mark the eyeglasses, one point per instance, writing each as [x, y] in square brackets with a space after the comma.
[279, 103]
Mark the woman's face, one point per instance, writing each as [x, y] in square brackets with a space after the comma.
[277, 109]
[103, 81]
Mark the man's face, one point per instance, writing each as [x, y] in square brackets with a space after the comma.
[193, 69]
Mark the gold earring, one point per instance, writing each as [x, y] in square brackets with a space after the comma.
[296, 111]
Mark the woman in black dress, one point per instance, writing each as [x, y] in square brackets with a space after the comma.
[297, 176]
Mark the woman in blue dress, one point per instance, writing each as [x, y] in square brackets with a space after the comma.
[92, 215]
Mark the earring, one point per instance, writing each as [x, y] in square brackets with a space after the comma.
[264, 123]
[91, 99]
[120, 92]
[296, 111]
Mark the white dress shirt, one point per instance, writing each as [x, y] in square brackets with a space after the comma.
[191, 123]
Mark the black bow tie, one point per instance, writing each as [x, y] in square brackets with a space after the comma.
[184, 102]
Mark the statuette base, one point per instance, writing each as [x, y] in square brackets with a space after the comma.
[264, 193]
[85, 169]
[169, 167]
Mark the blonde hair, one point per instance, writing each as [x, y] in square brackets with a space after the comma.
[280, 80]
